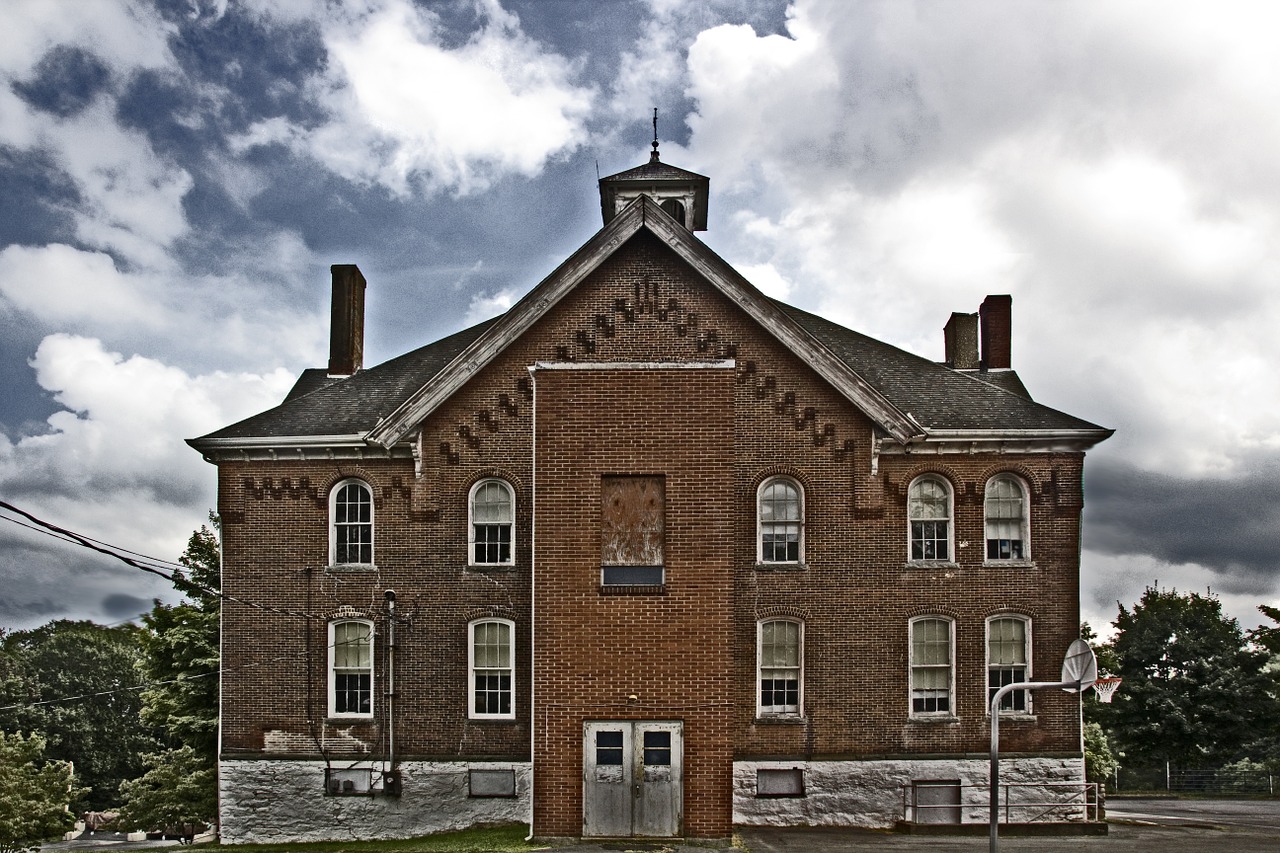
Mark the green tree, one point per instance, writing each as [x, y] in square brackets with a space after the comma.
[179, 789]
[1195, 692]
[77, 685]
[34, 794]
[182, 661]
[1099, 760]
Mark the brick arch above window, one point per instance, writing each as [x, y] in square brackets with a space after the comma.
[930, 469]
[491, 611]
[342, 473]
[346, 611]
[1033, 481]
[782, 611]
[1011, 610]
[931, 610]
[492, 473]
[772, 471]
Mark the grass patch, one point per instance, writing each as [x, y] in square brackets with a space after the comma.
[488, 839]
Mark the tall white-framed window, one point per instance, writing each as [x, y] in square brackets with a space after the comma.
[932, 666]
[780, 664]
[780, 521]
[1006, 514]
[1009, 661]
[491, 652]
[929, 515]
[351, 524]
[351, 668]
[492, 511]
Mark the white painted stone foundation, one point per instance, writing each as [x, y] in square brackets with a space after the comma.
[871, 793]
[277, 801]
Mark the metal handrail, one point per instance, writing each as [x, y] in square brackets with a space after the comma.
[1083, 796]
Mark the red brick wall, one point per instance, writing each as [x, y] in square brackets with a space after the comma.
[715, 435]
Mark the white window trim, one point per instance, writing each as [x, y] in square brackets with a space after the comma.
[761, 710]
[1026, 520]
[472, 714]
[333, 523]
[760, 523]
[471, 526]
[333, 682]
[951, 680]
[951, 521]
[986, 673]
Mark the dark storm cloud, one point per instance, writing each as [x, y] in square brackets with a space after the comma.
[64, 81]
[1230, 525]
[120, 606]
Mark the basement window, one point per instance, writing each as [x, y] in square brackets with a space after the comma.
[780, 782]
[490, 784]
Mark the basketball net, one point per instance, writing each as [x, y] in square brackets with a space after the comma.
[1106, 688]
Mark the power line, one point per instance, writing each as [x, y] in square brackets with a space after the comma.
[182, 583]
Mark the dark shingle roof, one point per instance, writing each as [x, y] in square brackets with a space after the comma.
[655, 171]
[318, 405]
[935, 395]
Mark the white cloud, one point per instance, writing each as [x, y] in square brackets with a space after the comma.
[1109, 166]
[484, 305]
[408, 110]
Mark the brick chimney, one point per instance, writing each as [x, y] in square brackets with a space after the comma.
[996, 320]
[961, 339]
[346, 324]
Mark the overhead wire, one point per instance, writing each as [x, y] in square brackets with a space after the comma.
[184, 582]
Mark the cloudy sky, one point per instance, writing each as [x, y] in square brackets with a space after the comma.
[178, 175]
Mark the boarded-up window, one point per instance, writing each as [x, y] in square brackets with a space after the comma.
[631, 521]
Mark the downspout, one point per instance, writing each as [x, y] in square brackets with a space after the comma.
[222, 610]
[390, 596]
[533, 585]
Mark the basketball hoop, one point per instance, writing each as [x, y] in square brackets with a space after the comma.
[1106, 688]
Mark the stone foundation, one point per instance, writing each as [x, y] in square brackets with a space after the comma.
[280, 801]
[878, 793]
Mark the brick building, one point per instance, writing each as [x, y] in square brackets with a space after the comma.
[648, 555]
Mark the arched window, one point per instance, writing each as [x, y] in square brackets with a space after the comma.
[1006, 519]
[932, 669]
[675, 209]
[351, 668]
[491, 660]
[929, 511]
[351, 524]
[1009, 661]
[493, 513]
[780, 664]
[780, 519]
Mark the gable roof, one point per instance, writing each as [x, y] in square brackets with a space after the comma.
[909, 398]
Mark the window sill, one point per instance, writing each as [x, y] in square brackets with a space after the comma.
[351, 568]
[781, 720]
[931, 564]
[1008, 564]
[1011, 717]
[633, 589]
[932, 720]
[762, 566]
[510, 719]
[491, 567]
[348, 719]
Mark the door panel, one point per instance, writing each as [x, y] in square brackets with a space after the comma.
[632, 780]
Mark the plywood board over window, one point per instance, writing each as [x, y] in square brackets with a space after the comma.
[632, 528]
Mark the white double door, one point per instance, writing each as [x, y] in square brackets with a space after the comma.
[632, 778]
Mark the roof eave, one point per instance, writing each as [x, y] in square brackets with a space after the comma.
[1076, 440]
[280, 447]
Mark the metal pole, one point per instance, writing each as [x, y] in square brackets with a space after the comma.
[994, 808]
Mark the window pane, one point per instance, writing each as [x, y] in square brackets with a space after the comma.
[609, 748]
[657, 749]
[353, 524]
[928, 499]
[493, 543]
[351, 645]
[780, 501]
[1008, 642]
[1004, 519]
[352, 693]
[492, 504]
